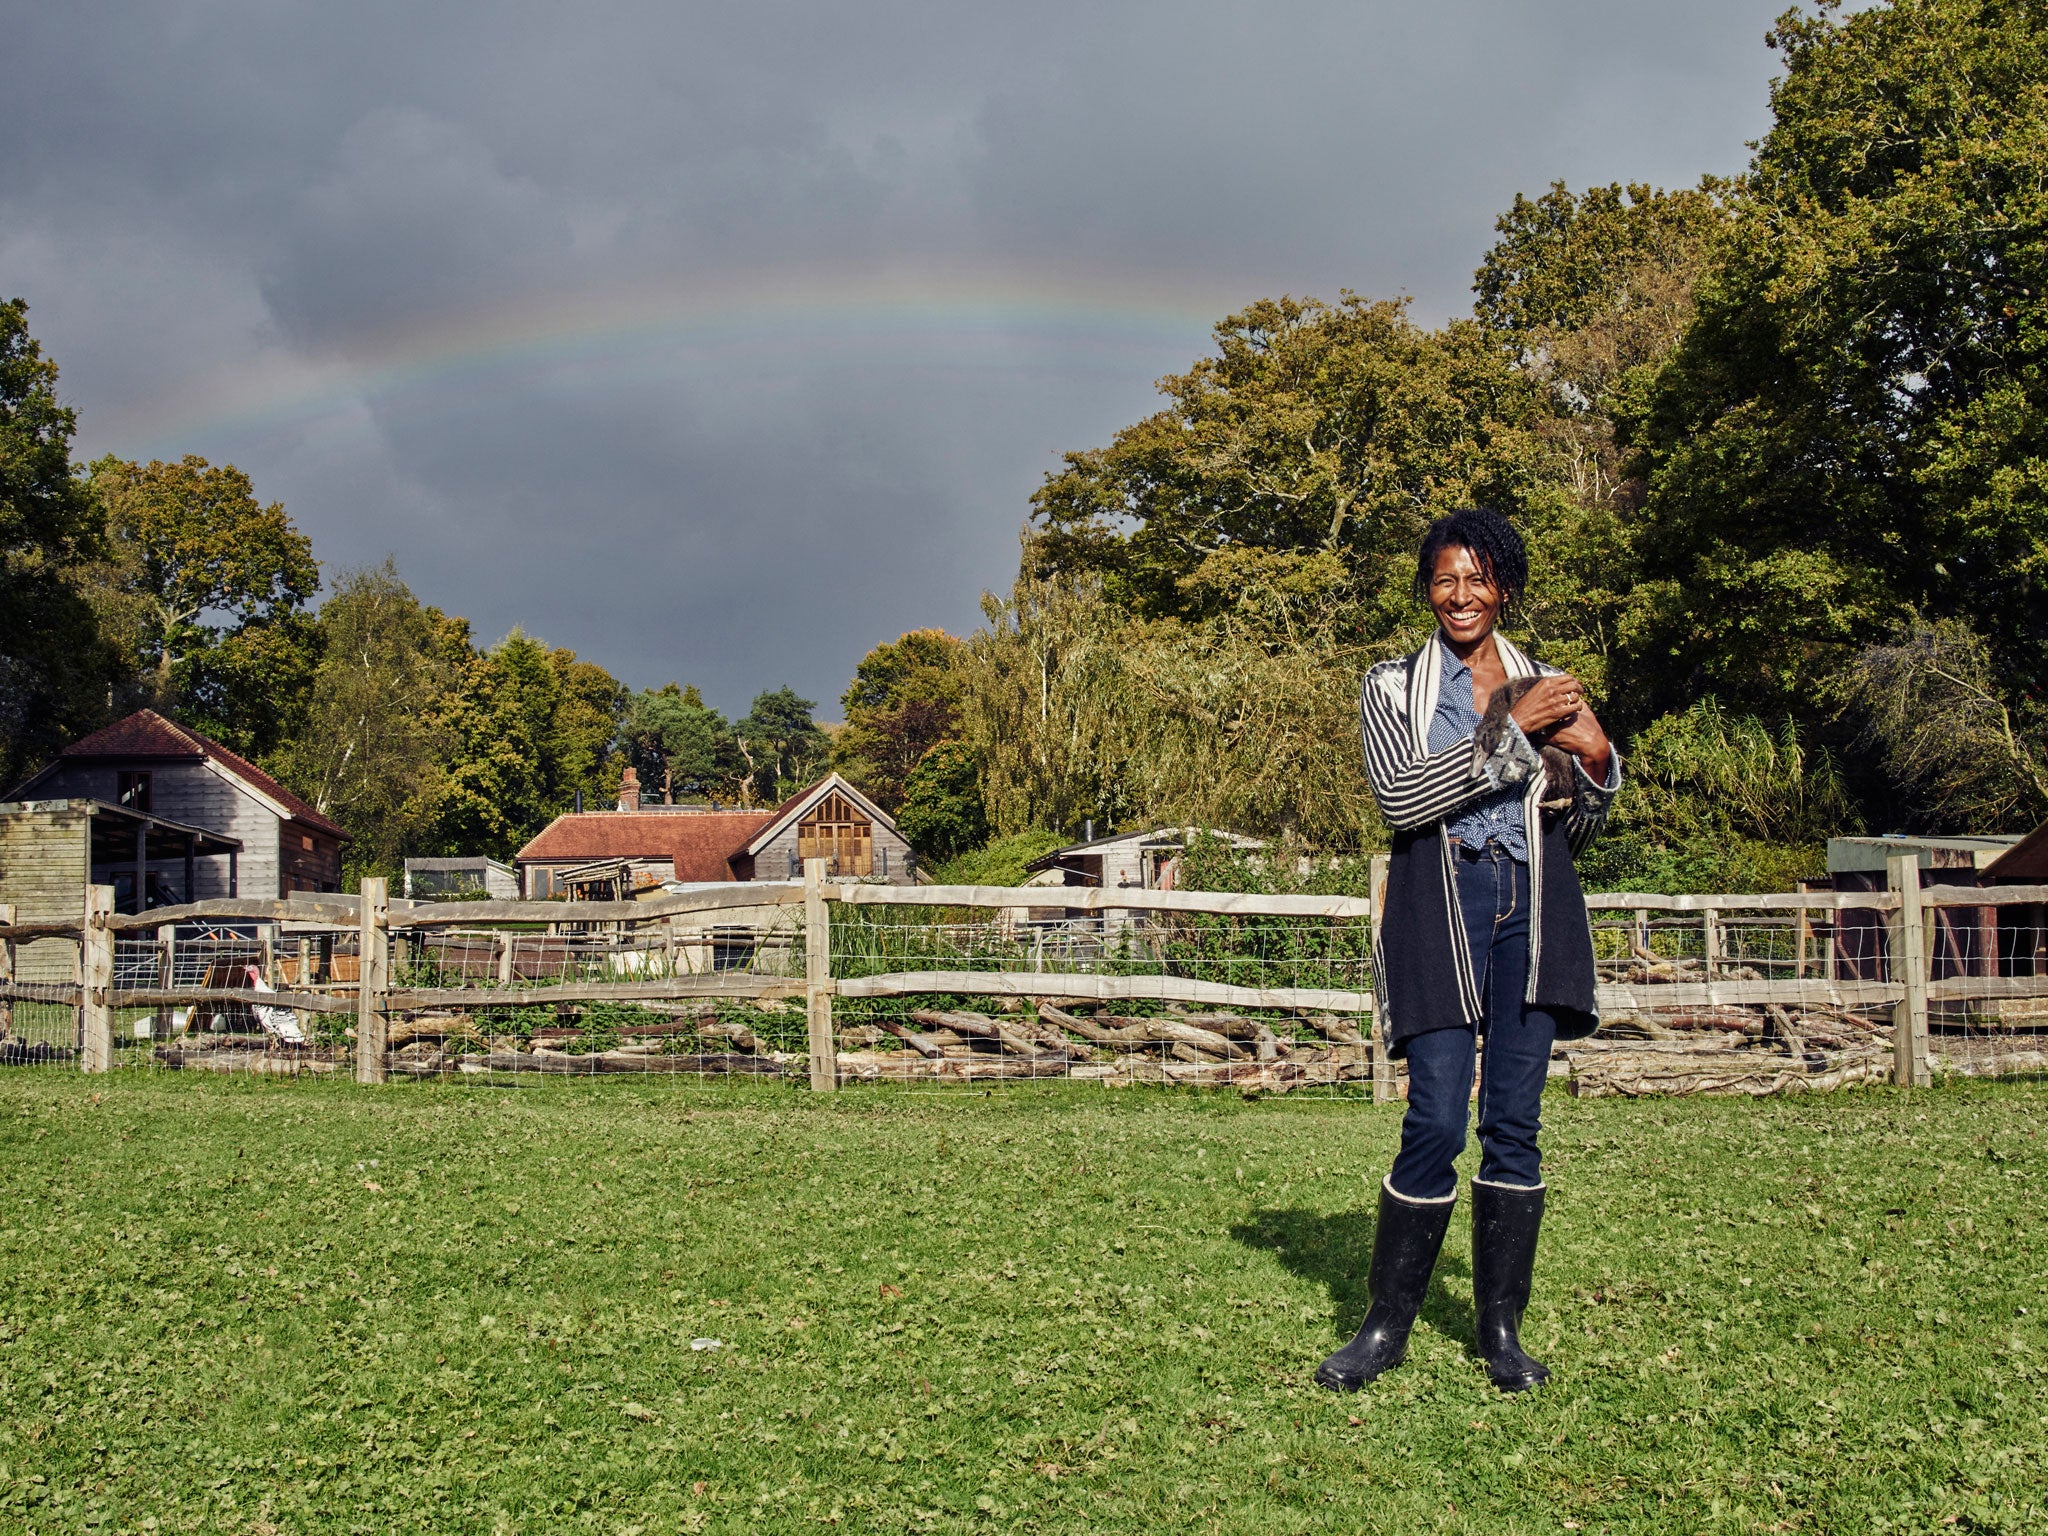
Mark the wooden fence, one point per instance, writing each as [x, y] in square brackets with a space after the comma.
[372, 999]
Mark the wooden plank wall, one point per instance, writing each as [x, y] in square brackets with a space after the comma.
[779, 860]
[42, 872]
[199, 796]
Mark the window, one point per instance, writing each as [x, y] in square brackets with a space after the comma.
[840, 835]
[131, 789]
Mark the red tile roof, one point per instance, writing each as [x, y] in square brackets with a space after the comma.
[147, 734]
[701, 843]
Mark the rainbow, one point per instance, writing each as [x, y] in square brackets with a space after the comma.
[786, 322]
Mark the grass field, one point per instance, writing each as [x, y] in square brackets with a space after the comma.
[283, 1307]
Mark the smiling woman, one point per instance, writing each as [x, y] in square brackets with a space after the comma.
[1483, 934]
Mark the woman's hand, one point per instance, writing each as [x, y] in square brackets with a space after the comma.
[1552, 700]
[1582, 736]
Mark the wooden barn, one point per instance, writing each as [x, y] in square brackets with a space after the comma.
[686, 844]
[265, 840]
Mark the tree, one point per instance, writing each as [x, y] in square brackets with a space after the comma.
[206, 587]
[943, 813]
[582, 752]
[497, 794]
[903, 701]
[779, 747]
[1855, 426]
[1247, 720]
[533, 726]
[1720, 802]
[1315, 429]
[677, 741]
[54, 669]
[1963, 755]
[376, 740]
[1590, 293]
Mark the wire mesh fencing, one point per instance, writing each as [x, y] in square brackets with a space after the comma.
[697, 997]
[859, 983]
[1261, 1001]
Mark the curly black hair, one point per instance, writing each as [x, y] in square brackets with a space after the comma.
[1494, 544]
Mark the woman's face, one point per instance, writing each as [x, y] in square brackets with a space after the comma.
[1467, 603]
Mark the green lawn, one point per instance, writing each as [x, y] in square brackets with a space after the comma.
[283, 1307]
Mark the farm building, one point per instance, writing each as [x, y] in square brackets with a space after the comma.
[703, 845]
[1149, 860]
[51, 850]
[1966, 941]
[149, 767]
[456, 879]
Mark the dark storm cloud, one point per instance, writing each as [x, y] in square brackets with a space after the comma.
[214, 208]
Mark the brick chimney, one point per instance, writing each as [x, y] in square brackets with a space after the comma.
[629, 790]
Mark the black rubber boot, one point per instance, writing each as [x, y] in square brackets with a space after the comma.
[1404, 1250]
[1505, 1222]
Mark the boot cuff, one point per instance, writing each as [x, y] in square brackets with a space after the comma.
[1387, 1184]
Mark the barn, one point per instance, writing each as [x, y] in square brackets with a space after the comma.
[264, 840]
[660, 844]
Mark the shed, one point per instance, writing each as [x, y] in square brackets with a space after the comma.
[1967, 940]
[459, 879]
[1149, 860]
[52, 850]
[2022, 928]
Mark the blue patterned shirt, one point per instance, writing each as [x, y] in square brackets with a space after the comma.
[1498, 814]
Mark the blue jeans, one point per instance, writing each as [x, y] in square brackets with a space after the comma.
[1493, 891]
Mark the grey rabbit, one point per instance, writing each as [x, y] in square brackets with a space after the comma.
[1557, 763]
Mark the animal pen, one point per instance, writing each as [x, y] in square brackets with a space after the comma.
[833, 984]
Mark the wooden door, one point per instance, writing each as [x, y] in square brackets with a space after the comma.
[838, 833]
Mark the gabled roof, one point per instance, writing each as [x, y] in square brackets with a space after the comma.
[800, 805]
[147, 736]
[700, 843]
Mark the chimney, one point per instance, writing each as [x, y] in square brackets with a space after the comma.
[629, 790]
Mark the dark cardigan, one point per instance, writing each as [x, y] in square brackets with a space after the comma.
[1422, 964]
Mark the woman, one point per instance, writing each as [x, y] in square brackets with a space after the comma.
[1484, 934]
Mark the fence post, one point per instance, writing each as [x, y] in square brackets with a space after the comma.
[374, 972]
[1909, 966]
[96, 982]
[6, 970]
[1710, 942]
[1382, 1064]
[818, 979]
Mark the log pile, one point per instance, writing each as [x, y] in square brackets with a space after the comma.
[1198, 1049]
[1723, 1048]
[250, 1054]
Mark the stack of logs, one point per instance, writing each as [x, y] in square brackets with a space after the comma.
[1722, 1048]
[1208, 1049]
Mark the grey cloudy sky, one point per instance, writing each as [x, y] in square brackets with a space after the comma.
[720, 342]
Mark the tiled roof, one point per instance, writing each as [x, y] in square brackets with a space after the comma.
[147, 734]
[701, 843]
